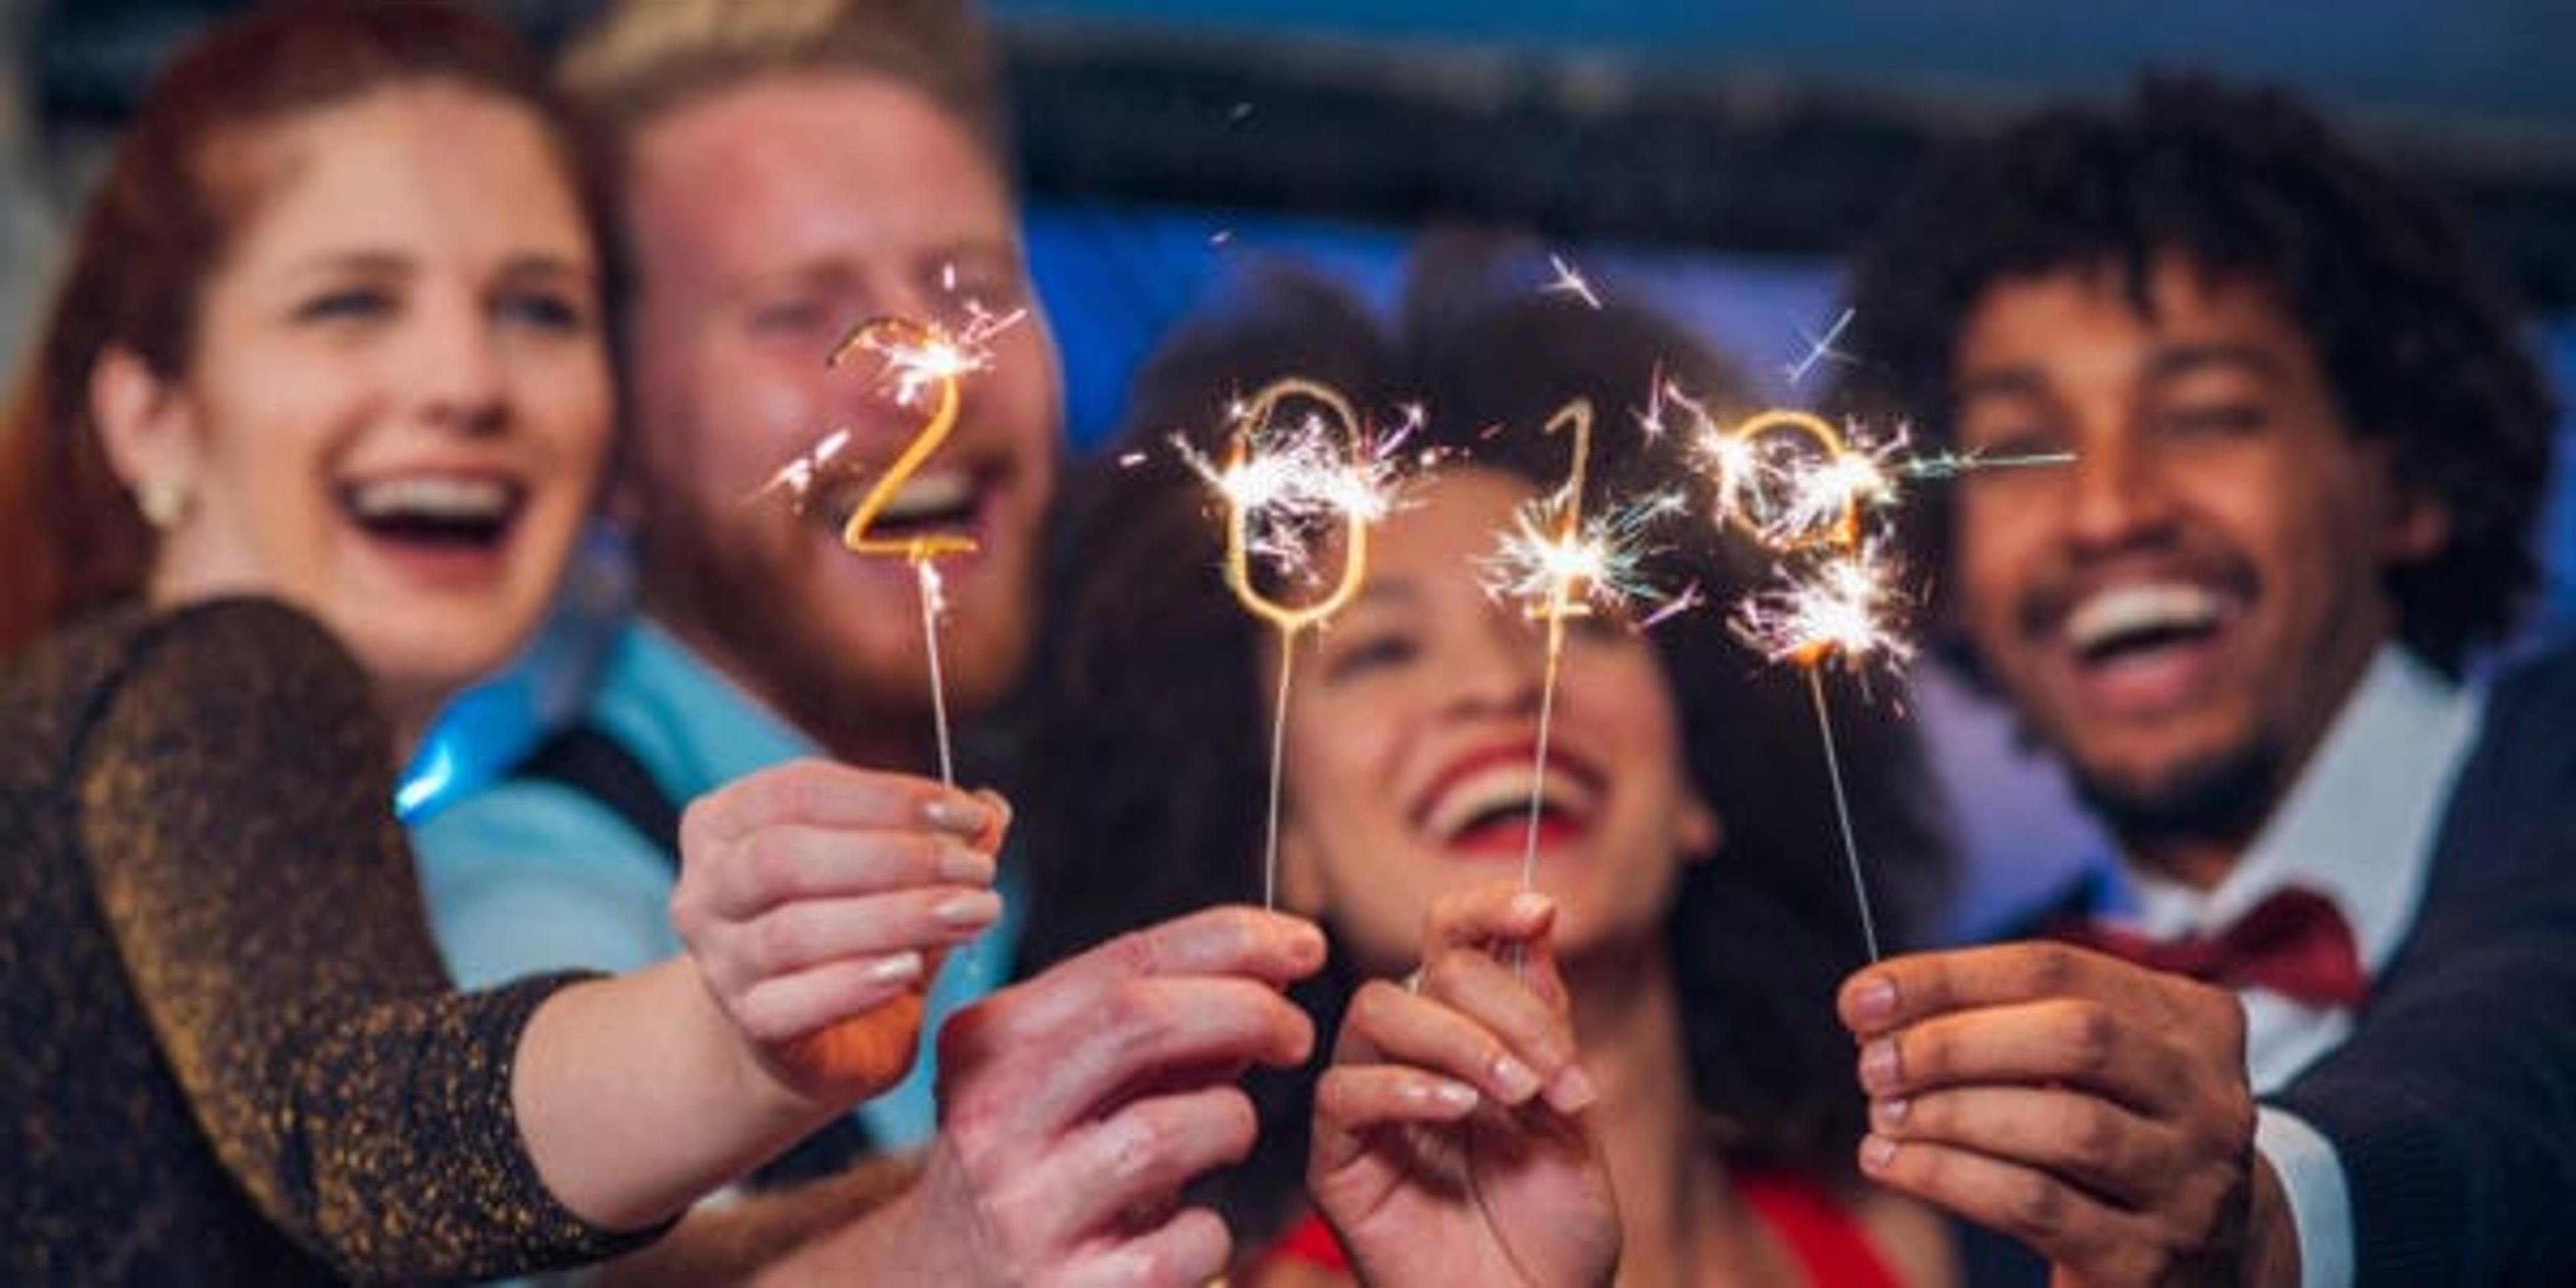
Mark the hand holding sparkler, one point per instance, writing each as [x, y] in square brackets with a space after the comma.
[919, 357]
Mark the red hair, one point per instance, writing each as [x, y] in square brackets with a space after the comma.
[159, 225]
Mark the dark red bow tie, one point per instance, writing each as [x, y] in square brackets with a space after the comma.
[2294, 943]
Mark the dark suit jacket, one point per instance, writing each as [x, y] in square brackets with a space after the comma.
[2452, 1107]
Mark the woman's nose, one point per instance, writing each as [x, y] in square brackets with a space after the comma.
[1499, 666]
[457, 360]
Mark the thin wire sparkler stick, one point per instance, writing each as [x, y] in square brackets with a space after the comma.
[932, 605]
[1842, 811]
[1564, 599]
[1278, 758]
[1538, 778]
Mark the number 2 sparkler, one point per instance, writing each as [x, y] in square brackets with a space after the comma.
[920, 355]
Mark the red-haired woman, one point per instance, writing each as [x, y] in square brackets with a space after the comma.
[311, 428]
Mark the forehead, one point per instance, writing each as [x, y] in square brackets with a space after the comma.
[2097, 324]
[1446, 520]
[429, 167]
[802, 167]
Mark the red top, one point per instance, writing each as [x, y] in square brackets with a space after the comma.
[1822, 1237]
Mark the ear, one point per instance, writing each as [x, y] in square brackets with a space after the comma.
[143, 423]
[2417, 528]
[1697, 831]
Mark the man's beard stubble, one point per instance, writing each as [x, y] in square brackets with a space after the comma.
[2220, 798]
[746, 598]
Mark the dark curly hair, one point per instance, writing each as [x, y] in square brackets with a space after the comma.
[1146, 716]
[2413, 332]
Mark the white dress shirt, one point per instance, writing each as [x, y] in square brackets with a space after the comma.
[2359, 827]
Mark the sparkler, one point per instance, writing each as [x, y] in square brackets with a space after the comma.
[1561, 565]
[919, 358]
[1796, 485]
[1804, 489]
[1279, 485]
[923, 362]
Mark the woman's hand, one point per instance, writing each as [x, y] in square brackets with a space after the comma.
[816, 900]
[1450, 1144]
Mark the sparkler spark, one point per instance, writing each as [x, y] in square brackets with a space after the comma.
[1952, 464]
[1820, 349]
[1842, 607]
[1569, 281]
[797, 477]
[1560, 564]
[1280, 485]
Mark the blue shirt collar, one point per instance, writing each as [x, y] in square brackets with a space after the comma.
[693, 728]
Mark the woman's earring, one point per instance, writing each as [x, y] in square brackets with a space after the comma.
[164, 502]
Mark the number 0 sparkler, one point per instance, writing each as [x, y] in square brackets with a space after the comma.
[1277, 484]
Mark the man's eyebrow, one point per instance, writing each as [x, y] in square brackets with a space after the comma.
[2177, 361]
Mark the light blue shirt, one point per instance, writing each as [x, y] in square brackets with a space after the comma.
[528, 875]
[2359, 827]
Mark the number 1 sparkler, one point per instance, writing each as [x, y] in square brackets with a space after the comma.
[1562, 566]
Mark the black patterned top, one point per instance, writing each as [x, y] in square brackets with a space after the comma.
[233, 1055]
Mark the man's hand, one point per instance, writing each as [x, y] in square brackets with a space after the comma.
[2095, 1110]
[816, 899]
[1449, 1142]
[1075, 1105]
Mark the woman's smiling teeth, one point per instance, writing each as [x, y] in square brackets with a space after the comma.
[445, 508]
[1499, 794]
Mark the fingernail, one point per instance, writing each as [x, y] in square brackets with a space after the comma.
[901, 968]
[999, 804]
[1455, 1096]
[955, 814]
[1307, 948]
[1876, 1152]
[1527, 905]
[964, 864]
[1878, 1065]
[1888, 1113]
[961, 911]
[1876, 999]
[1517, 1081]
[1571, 1090]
